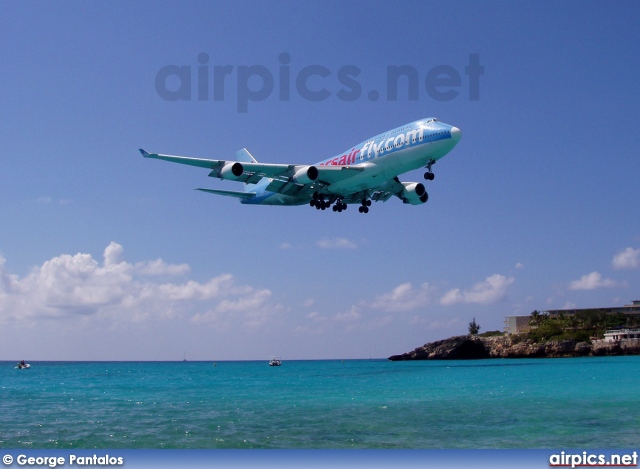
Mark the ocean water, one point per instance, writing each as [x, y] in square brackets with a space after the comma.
[591, 402]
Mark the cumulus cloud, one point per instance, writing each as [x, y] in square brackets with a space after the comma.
[253, 305]
[336, 243]
[627, 259]
[492, 290]
[404, 297]
[160, 267]
[591, 282]
[78, 285]
[352, 314]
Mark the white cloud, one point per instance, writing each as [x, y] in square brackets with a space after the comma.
[336, 243]
[77, 285]
[160, 267]
[250, 300]
[591, 282]
[627, 259]
[492, 290]
[352, 315]
[403, 298]
[519, 266]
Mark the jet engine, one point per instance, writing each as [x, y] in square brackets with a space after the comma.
[414, 193]
[306, 174]
[231, 171]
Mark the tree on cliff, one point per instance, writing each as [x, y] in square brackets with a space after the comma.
[474, 327]
[535, 319]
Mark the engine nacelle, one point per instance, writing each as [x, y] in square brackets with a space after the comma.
[414, 193]
[231, 171]
[306, 174]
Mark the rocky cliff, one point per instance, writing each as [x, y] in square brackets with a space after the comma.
[512, 346]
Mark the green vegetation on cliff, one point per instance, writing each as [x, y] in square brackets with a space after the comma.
[581, 327]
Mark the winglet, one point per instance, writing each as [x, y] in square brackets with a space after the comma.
[245, 157]
[144, 153]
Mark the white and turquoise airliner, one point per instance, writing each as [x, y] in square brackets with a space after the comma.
[368, 171]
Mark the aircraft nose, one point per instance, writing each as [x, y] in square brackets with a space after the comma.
[455, 134]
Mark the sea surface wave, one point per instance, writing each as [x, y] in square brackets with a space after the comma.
[499, 403]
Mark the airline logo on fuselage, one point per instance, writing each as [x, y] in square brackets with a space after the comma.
[375, 147]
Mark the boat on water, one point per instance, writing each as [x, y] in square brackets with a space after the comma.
[23, 365]
[275, 361]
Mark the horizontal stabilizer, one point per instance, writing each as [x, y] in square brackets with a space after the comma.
[240, 195]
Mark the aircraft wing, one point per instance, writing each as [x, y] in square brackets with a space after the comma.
[286, 178]
[286, 183]
[251, 169]
[385, 191]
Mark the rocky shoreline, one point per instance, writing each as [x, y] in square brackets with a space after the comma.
[512, 346]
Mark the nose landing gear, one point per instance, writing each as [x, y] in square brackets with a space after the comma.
[429, 176]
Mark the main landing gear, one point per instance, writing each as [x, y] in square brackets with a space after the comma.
[339, 206]
[318, 202]
[364, 208]
[429, 176]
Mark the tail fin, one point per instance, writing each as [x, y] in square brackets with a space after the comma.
[243, 156]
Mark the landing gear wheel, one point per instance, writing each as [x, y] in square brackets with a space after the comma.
[429, 174]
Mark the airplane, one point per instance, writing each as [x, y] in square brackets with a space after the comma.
[368, 171]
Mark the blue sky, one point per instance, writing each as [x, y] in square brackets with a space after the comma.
[106, 256]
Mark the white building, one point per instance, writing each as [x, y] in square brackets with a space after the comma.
[618, 335]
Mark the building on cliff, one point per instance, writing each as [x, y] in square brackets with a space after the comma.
[519, 324]
[620, 335]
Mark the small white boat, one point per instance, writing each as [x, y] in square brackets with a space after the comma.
[22, 365]
[275, 361]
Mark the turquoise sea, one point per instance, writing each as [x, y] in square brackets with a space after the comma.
[501, 403]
